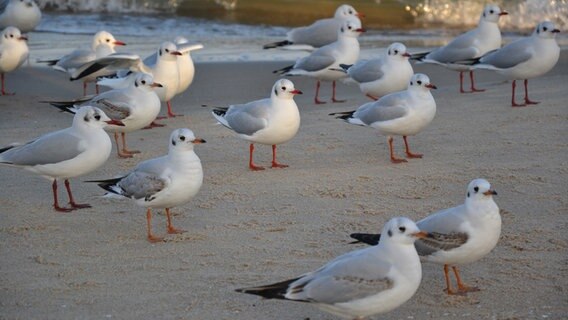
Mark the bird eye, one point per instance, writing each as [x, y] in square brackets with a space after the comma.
[349, 27]
[419, 82]
[395, 51]
[143, 81]
[283, 88]
[544, 28]
[350, 12]
[97, 117]
[107, 40]
[402, 229]
[182, 138]
[167, 50]
[11, 36]
[491, 11]
[476, 189]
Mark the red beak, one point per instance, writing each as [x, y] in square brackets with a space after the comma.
[115, 122]
[503, 13]
[198, 141]
[156, 85]
[360, 15]
[406, 54]
[431, 86]
[176, 53]
[23, 38]
[119, 43]
[296, 91]
[360, 30]
[556, 31]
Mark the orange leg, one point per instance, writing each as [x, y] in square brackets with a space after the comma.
[333, 94]
[171, 229]
[71, 200]
[316, 99]
[124, 149]
[448, 283]
[55, 201]
[391, 149]
[274, 163]
[118, 149]
[151, 237]
[461, 286]
[408, 153]
[252, 166]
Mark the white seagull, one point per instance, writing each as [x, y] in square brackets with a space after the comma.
[403, 113]
[136, 106]
[165, 71]
[323, 63]
[103, 45]
[525, 58]
[13, 52]
[360, 283]
[22, 14]
[163, 182]
[66, 153]
[459, 235]
[387, 74]
[318, 34]
[270, 121]
[484, 38]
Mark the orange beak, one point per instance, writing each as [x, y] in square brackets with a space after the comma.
[198, 141]
[119, 43]
[431, 86]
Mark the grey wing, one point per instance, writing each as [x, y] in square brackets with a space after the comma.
[349, 277]
[319, 60]
[446, 226]
[366, 71]
[51, 148]
[3, 5]
[144, 182]
[151, 59]
[385, 109]
[318, 34]
[440, 242]
[114, 109]
[249, 118]
[112, 62]
[509, 56]
[461, 48]
[188, 47]
[75, 59]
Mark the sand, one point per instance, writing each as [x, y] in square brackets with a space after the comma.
[249, 228]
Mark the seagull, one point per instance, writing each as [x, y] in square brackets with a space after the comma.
[484, 38]
[66, 153]
[22, 14]
[318, 34]
[323, 63]
[163, 182]
[103, 45]
[378, 77]
[525, 58]
[164, 71]
[403, 113]
[360, 283]
[135, 106]
[13, 52]
[459, 235]
[270, 121]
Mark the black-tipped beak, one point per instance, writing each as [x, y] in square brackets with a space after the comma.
[176, 53]
[296, 91]
[119, 43]
[490, 192]
[431, 86]
[23, 38]
[360, 30]
[556, 31]
[115, 122]
[198, 141]
[156, 85]
[406, 54]
[503, 13]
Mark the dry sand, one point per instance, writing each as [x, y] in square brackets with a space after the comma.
[248, 228]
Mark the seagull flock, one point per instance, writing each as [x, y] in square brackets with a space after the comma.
[355, 285]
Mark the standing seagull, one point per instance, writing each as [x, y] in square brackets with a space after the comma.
[103, 45]
[13, 52]
[323, 63]
[135, 106]
[22, 14]
[484, 38]
[387, 74]
[163, 182]
[318, 34]
[66, 153]
[460, 235]
[525, 58]
[271, 121]
[403, 113]
[360, 283]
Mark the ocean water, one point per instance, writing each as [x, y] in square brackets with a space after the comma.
[237, 29]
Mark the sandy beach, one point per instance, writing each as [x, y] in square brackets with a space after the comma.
[249, 228]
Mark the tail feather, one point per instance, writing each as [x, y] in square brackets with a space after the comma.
[219, 114]
[272, 291]
[368, 238]
[345, 66]
[284, 70]
[109, 185]
[277, 44]
[343, 115]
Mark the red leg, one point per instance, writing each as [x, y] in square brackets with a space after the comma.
[252, 166]
[118, 151]
[124, 149]
[473, 88]
[274, 163]
[461, 83]
[462, 288]
[72, 201]
[527, 100]
[171, 229]
[154, 124]
[171, 114]
[372, 97]
[333, 94]
[513, 103]
[316, 100]
[408, 153]
[151, 237]
[448, 283]
[84, 88]
[391, 149]
[4, 93]
[55, 201]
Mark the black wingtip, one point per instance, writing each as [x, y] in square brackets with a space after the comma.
[220, 111]
[283, 70]
[367, 238]
[343, 115]
[345, 66]
[277, 44]
[272, 291]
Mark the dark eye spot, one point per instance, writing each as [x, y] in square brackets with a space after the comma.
[173, 142]
[342, 29]
[389, 233]
[349, 27]
[544, 28]
[86, 118]
[97, 117]
[11, 36]
[468, 194]
[108, 40]
[411, 83]
[167, 50]
[402, 229]
[182, 138]
[350, 12]
[476, 189]
[283, 88]
[491, 11]
[143, 81]
[395, 51]
[419, 82]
